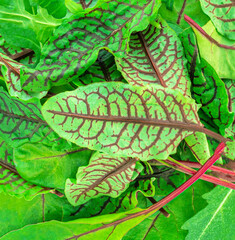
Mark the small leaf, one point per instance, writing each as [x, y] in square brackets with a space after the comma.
[121, 119]
[41, 165]
[76, 43]
[10, 181]
[156, 56]
[222, 15]
[105, 175]
[219, 212]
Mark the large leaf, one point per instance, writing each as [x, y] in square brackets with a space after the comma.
[76, 43]
[173, 11]
[28, 28]
[46, 167]
[156, 56]
[121, 119]
[10, 180]
[105, 175]
[11, 72]
[22, 122]
[207, 88]
[217, 50]
[76, 6]
[222, 15]
[103, 70]
[219, 212]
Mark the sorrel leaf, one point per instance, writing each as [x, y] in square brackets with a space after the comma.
[175, 13]
[221, 51]
[219, 212]
[156, 56]
[222, 15]
[11, 72]
[46, 167]
[22, 122]
[122, 119]
[198, 145]
[103, 70]
[105, 175]
[10, 181]
[76, 43]
[207, 88]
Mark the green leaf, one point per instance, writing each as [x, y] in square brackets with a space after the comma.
[219, 212]
[46, 167]
[56, 8]
[105, 175]
[221, 56]
[198, 144]
[75, 6]
[175, 14]
[10, 180]
[17, 213]
[121, 119]
[207, 88]
[11, 72]
[76, 43]
[22, 122]
[222, 15]
[180, 209]
[156, 56]
[103, 70]
[29, 29]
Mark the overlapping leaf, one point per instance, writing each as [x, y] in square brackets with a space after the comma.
[156, 56]
[105, 175]
[76, 43]
[11, 73]
[75, 6]
[22, 122]
[207, 88]
[122, 119]
[10, 181]
[103, 70]
[222, 15]
[219, 212]
[44, 166]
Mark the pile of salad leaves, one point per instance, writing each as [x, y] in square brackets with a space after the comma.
[106, 108]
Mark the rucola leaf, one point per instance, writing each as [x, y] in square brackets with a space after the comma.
[222, 15]
[121, 119]
[22, 122]
[11, 72]
[103, 70]
[46, 167]
[105, 175]
[76, 43]
[219, 212]
[156, 56]
[10, 181]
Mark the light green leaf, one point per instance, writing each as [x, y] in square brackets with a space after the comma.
[22, 122]
[216, 221]
[76, 43]
[11, 72]
[46, 167]
[76, 6]
[220, 57]
[105, 175]
[10, 180]
[121, 119]
[222, 15]
[156, 56]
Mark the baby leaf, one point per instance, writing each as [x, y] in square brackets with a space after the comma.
[76, 43]
[219, 212]
[121, 119]
[10, 181]
[105, 175]
[222, 15]
[156, 56]
[46, 167]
